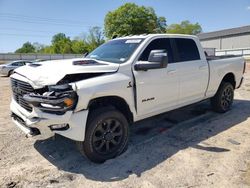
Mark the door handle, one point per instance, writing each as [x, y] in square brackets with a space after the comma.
[172, 71]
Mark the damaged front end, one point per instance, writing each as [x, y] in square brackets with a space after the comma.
[56, 99]
[45, 97]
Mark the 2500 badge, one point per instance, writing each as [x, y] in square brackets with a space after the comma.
[148, 99]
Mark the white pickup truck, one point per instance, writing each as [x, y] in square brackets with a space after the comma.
[93, 100]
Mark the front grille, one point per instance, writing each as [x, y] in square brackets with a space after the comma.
[19, 89]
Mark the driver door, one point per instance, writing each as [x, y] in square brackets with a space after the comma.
[157, 90]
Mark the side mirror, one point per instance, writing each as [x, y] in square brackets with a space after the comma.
[157, 59]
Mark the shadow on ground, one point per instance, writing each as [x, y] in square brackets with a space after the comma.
[152, 141]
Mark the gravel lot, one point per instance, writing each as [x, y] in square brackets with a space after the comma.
[190, 147]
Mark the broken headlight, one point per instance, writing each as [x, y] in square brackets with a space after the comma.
[57, 99]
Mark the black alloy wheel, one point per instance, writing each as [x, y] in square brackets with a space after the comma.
[223, 99]
[227, 97]
[106, 135]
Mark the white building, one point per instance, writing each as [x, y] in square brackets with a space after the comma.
[234, 41]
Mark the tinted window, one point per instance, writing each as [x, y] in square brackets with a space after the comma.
[158, 44]
[17, 63]
[116, 51]
[187, 49]
[14, 64]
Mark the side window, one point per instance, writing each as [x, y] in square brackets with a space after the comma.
[20, 63]
[14, 64]
[157, 44]
[187, 49]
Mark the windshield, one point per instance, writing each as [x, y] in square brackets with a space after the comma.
[115, 51]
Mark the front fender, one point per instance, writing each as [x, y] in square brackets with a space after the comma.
[107, 85]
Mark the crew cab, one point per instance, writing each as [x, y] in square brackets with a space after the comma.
[93, 100]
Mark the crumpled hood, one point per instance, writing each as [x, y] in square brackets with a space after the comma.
[51, 72]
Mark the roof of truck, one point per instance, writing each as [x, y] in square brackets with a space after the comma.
[144, 36]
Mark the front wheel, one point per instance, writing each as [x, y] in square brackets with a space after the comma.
[106, 135]
[223, 99]
[10, 72]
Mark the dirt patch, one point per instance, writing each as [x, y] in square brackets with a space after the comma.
[246, 175]
[189, 147]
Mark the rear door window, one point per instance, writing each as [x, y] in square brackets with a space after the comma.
[186, 50]
[20, 63]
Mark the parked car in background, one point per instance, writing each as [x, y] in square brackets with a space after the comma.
[8, 68]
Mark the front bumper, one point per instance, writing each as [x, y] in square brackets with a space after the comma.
[76, 121]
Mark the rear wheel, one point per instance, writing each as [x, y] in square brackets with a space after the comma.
[223, 99]
[106, 135]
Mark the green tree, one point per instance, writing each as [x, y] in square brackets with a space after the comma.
[26, 48]
[79, 46]
[185, 27]
[38, 47]
[47, 50]
[94, 38]
[161, 25]
[133, 19]
[61, 44]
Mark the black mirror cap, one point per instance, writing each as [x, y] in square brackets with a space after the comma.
[160, 56]
[144, 66]
[157, 59]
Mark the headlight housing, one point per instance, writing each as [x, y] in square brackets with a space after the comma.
[58, 99]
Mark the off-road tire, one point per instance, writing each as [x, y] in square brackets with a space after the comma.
[100, 130]
[223, 99]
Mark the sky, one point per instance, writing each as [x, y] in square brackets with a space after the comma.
[39, 20]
